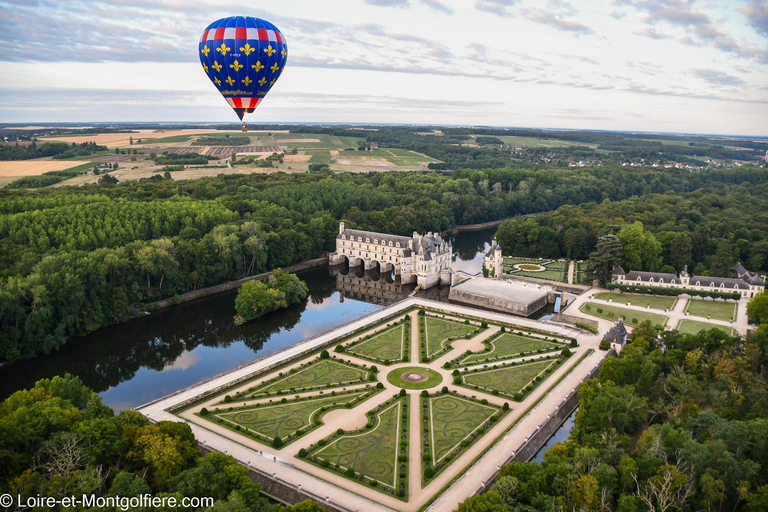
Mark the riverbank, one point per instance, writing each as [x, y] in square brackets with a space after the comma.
[233, 285]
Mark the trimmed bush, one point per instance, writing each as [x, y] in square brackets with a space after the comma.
[302, 453]
[605, 345]
[277, 442]
[324, 354]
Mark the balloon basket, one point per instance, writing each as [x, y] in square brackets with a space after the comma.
[244, 128]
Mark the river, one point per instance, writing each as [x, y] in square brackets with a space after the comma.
[149, 357]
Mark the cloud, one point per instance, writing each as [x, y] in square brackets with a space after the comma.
[497, 7]
[554, 20]
[388, 3]
[757, 14]
[437, 5]
[699, 26]
[716, 77]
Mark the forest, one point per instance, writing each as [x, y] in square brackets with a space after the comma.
[56, 150]
[674, 423]
[708, 230]
[58, 439]
[73, 260]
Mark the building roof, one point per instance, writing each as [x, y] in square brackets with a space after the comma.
[740, 270]
[619, 271]
[617, 333]
[493, 249]
[684, 273]
[632, 275]
[727, 282]
[403, 240]
[756, 280]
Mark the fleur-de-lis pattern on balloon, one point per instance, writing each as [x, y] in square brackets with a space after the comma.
[243, 57]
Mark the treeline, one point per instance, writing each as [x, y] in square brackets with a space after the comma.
[59, 440]
[56, 150]
[75, 259]
[676, 422]
[184, 159]
[709, 230]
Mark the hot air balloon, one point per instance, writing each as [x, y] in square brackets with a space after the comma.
[243, 57]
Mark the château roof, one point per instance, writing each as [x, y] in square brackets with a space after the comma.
[632, 275]
[403, 240]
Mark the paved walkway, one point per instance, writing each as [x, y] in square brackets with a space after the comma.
[284, 465]
[571, 267]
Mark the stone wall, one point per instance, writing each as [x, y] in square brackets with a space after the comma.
[570, 319]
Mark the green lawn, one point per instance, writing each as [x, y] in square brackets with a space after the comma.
[535, 142]
[509, 345]
[515, 261]
[508, 380]
[631, 317]
[387, 345]
[433, 378]
[551, 275]
[372, 453]
[452, 419]
[323, 373]
[718, 310]
[439, 332]
[654, 301]
[693, 327]
[282, 420]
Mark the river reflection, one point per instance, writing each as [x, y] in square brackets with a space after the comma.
[149, 357]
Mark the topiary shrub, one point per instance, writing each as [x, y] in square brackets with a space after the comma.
[605, 345]
[204, 412]
[379, 386]
[302, 453]
[340, 349]
[324, 354]
[424, 393]
[429, 472]
[402, 392]
[277, 442]
[227, 399]
[350, 472]
[444, 390]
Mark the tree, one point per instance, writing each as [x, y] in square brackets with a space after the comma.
[488, 502]
[604, 259]
[641, 249]
[255, 298]
[757, 308]
[680, 251]
[507, 488]
[723, 260]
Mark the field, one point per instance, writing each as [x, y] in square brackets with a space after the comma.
[655, 302]
[507, 380]
[372, 453]
[693, 327]
[121, 140]
[282, 420]
[453, 419]
[509, 345]
[438, 331]
[323, 373]
[18, 168]
[716, 310]
[387, 345]
[631, 316]
[534, 142]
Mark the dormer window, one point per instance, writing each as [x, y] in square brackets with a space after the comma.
[390, 243]
[367, 240]
[638, 279]
[398, 244]
[661, 280]
[376, 241]
[343, 237]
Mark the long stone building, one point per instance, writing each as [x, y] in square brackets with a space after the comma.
[421, 259]
[748, 284]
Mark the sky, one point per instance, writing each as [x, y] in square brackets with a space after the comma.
[695, 66]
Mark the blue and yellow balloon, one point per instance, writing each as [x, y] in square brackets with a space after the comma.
[243, 57]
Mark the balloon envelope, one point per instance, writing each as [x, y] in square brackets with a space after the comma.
[243, 57]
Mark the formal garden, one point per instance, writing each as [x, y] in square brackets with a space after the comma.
[344, 408]
[552, 270]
